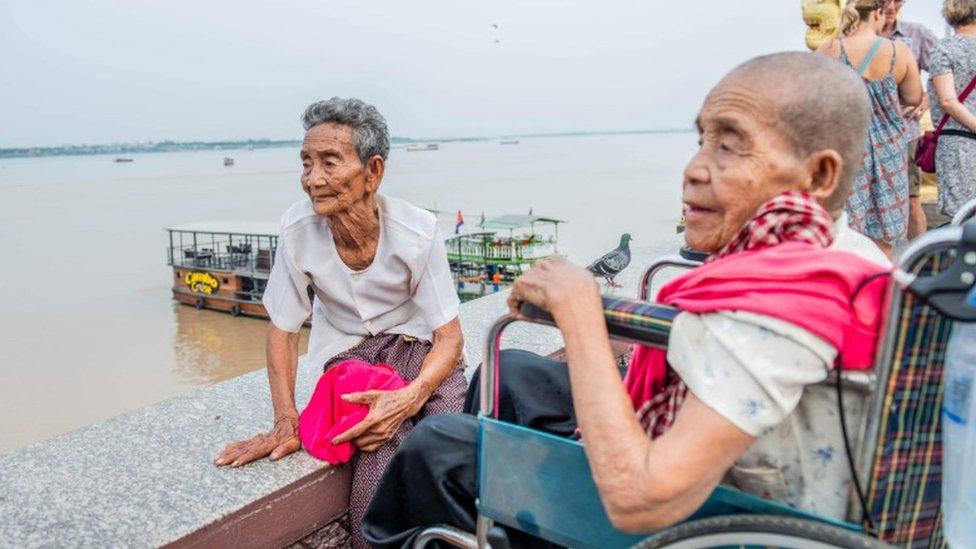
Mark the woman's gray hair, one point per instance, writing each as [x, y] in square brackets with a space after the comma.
[368, 126]
[959, 12]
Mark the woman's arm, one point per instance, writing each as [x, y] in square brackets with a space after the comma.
[910, 83]
[282, 354]
[389, 409]
[644, 484]
[945, 91]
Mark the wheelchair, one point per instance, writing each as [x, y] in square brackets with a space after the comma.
[541, 484]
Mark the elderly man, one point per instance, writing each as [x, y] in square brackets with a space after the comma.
[919, 40]
[382, 289]
[738, 397]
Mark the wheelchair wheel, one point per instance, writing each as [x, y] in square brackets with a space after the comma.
[758, 531]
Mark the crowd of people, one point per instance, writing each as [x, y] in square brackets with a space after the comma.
[802, 174]
[890, 55]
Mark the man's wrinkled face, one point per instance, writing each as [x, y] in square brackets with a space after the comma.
[332, 174]
[742, 161]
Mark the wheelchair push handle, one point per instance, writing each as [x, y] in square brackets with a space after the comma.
[627, 319]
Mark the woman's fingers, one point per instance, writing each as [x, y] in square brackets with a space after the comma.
[363, 397]
[355, 431]
[256, 450]
[285, 448]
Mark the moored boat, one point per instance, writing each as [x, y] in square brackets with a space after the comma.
[483, 262]
[222, 266]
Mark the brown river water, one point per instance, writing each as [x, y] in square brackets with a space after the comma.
[89, 330]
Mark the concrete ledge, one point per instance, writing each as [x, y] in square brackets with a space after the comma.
[147, 478]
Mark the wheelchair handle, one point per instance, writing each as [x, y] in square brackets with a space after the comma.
[626, 319]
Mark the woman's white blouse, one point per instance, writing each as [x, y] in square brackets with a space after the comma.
[407, 289]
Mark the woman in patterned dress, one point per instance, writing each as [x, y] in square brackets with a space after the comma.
[953, 66]
[878, 203]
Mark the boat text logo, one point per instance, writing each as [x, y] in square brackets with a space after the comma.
[201, 282]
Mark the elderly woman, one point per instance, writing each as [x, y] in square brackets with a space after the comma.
[953, 67]
[382, 290]
[781, 139]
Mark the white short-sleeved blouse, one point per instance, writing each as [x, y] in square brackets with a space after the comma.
[407, 289]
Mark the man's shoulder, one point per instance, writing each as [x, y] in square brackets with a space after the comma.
[910, 29]
[407, 219]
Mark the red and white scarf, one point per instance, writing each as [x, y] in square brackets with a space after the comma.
[792, 216]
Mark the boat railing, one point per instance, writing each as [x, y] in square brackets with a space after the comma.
[258, 261]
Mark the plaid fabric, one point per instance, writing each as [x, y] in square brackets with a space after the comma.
[793, 216]
[905, 487]
[652, 317]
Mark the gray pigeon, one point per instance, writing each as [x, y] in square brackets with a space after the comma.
[611, 264]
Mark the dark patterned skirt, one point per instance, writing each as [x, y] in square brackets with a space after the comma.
[405, 355]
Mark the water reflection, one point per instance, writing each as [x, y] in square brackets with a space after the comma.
[211, 346]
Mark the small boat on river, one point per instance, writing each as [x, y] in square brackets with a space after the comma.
[417, 147]
[228, 161]
[121, 159]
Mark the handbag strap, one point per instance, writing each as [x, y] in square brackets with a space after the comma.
[962, 99]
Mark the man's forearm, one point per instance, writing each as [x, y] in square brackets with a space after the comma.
[282, 355]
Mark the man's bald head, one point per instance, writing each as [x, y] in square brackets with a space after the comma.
[816, 103]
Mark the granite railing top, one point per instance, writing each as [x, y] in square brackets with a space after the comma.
[147, 477]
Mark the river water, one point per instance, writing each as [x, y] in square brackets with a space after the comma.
[89, 330]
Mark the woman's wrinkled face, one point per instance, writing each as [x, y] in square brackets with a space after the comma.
[742, 161]
[332, 174]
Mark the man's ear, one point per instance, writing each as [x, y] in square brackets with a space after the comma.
[375, 168]
[824, 168]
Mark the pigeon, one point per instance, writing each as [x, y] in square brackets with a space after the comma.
[611, 264]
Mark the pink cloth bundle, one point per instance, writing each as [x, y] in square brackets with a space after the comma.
[328, 416]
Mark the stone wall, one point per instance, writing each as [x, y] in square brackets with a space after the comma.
[147, 478]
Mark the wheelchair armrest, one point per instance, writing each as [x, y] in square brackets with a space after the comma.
[627, 319]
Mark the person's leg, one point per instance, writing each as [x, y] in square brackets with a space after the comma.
[917, 223]
[534, 391]
[431, 480]
[368, 468]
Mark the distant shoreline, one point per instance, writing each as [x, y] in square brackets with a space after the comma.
[122, 149]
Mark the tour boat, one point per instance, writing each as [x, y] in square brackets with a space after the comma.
[222, 266]
[484, 261]
[228, 161]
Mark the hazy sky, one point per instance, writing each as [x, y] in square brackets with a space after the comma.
[100, 71]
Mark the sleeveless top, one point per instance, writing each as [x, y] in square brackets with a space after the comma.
[878, 203]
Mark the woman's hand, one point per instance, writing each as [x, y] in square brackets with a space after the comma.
[280, 441]
[557, 286]
[387, 411]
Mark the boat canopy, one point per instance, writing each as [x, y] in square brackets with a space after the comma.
[511, 222]
[252, 228]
